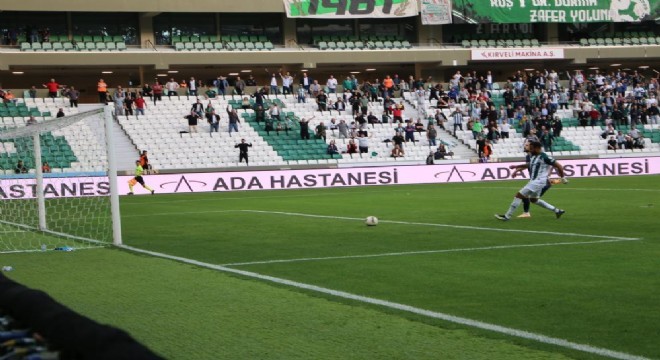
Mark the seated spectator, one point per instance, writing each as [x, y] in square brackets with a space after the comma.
[372, 119]
[60, 113]
[332, 148]
[429, 159]
[419, 127]
[487, 152]
[620, 140]
[9, 97]
[398, 139]
[20, 168]
[611, 143]
[639, 142]
[351, 148]
[45, 168]
[245, 104]
[629, 142]
[31, 121]
[397, 151]
[210, 93]
[441, 152]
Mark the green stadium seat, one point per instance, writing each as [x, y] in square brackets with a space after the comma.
[199, 46]
[68, 46]
[249, 46]
[77, 38]
[517, 43]
[350, 45]
[225, 38]
[332, 45]
[323, 45]
[218, 46]
[609, 41]
[651, 41]
[185, 39]
[592, 42]
[474, 43]
[204, 38]
[118, 38]
[483, 43]
[244, 38]
[388, 44]
[526, 42]
[25, 46]
[262, 38]
[111, 46]
[617, 41]
[235, 38]
[107, 39]
[359, 45]
[643, 41]
[635, 41]
[194, 39]
[254, 38]
[189, 46]
[208, 46]
[46, 46]
[176, 39]
[600, 41]
[100, 46]
[57, 46]
[36, 46]
[97, 38]
[121, 46]
[492, 43]
[397, 44]
[230, 46]
[379, 44]
[240, 45]
[87, 38]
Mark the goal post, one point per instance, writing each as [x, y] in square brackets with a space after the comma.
[58, 183]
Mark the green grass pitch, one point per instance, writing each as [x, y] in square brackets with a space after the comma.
[590, 277]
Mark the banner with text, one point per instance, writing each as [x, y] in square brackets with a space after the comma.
[346, 9]
[435, 12]
[318, 178]
[517, 54]
[554, 11]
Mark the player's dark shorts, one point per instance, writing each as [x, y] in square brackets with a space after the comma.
[140, 180]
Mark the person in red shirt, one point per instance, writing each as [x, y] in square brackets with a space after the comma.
[52, 87]
[158, 91]
[140, 105]
[397, 114]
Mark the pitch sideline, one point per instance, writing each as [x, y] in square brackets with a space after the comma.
[401, 307]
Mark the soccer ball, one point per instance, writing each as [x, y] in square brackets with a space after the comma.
[371, 221]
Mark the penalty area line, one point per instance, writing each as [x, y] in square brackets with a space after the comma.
[423, 252]
[400, 307]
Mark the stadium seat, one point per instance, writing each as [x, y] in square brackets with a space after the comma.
[249, 46]
[189, 46]
[100, 46]
[46, 46]
[89, 46]
[218, 46]
[58, 46]
[269, 45]
[199, 46]
[25, 46]
[208, 46]
[179, 46]
[68, 46]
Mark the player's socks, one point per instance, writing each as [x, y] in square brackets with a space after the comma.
[148, 188]
[514, 205]
[526, 205]
[130, 188]
[545, 205]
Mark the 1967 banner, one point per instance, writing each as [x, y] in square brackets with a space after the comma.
[318, 178]
[350, 8]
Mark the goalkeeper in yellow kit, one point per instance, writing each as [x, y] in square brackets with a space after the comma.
[138, 179]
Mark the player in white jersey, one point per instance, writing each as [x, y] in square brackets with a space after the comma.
[540, 167]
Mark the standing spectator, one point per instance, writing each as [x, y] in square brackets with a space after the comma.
[158, 91]
[45, 168]
[118, 99]
[546, 140]
[457, 117]
[214, 121]
[172, 87]
[306, 82]
[221, 84]
[322, 101]
[320, 131]
[33, 92]
[102, 90]
[431, 135]
[477, 129]
[342, 127]
[243, 151]
[53, 87]
[302, 95]
[192, 122]
[557, 127]
[274, 88]
[331, 84]
[192, 86]
[287, 83]
[410, 132]
[504, 129]
[140, 105]
[233, 120]
[363, 143]
[304, 128]
[128, 105]
[260, 114]
[239, 86]
[275, 112]
[198, 108]
[314, 89]
[351, 148]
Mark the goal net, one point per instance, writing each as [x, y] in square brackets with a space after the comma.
[57, 190]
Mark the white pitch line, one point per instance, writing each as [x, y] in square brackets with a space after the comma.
[422, 252]
[402, 307]
[466, 227]
[49, 250]
[562, 188]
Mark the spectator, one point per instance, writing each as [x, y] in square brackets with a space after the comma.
[214, 121]
[342, 127]
[20, 168]
[33, 92]
[53, 87]
[351, 148]
[620, 140]
[431, 135]
[128, 105]
[172, 88]
[332, 149]
[457, 117]
[320, 131]
[441, 152]
[260, 114]
[397, 152]
[31, 121]
[60, 113]
[250, 81]
[306, 82]
[45, 168]
[233, 120]
[275, 112]
[221, 84]
[192, 86]
[612, 143]
[398, 139]
[210, 93]
[140, 105]
[245, 103]
[487, 152]
[429, 159]
[268, 125]
[302, 95]
[410, 132]
[304, 128]
[363, 143]
[547, 140]
[504, 129]
[102, 91]
[158, 91]
[477, 129]
[340, 106]
[192, 121]
[321, 101]
[147, 91]
[243, 150]
[287, 83]
[331, 84]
